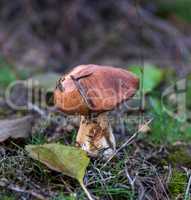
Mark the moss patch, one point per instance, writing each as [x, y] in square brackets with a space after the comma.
[7, 196]
[177, 184]
[180, 156]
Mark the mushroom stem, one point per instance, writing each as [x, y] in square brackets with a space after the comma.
[95, 135]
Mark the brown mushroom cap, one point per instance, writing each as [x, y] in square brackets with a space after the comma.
[94, 88]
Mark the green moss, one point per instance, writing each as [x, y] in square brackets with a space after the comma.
[6, 196]
[177, 184]
[179, 156]
[164, 162]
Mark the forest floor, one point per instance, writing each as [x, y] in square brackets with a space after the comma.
[156, 165]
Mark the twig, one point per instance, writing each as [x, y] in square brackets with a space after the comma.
[82, 93]
[86, 191]
[83, 76]
[187, 195]
[131, 180]
[37, 109]
[128, 142]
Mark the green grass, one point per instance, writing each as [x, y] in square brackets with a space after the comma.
[37, 138]
[6, 75]
[180, 8]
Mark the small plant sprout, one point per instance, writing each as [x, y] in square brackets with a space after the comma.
[91, 91]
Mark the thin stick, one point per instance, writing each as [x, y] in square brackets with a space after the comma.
[37, 109]
[131, 180]
[82, 93]
[83, 76]
[128, 142]
[188, 189]
[86, 191]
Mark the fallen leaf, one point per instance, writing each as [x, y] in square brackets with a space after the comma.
[71, 161]
[15, 128]
[68, 160]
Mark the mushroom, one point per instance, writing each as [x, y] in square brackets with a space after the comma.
[91, 91]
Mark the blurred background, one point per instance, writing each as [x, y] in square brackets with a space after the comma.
[37, 35]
